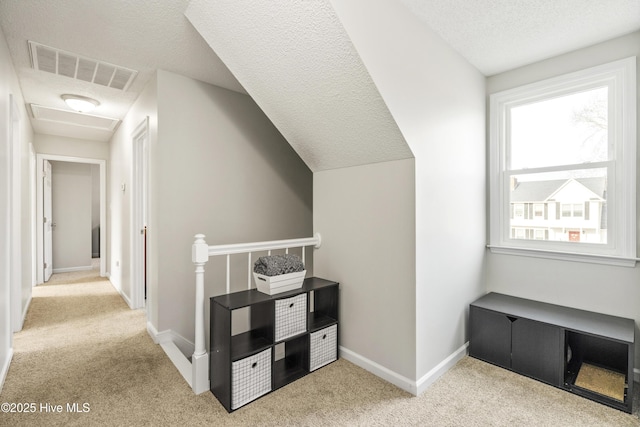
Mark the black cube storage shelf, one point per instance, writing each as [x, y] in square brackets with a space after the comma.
[551, 343]
[271, 316]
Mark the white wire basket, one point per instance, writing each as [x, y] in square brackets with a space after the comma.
[272, 285]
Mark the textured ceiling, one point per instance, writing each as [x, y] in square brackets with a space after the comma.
[142, 35]
[293, 57]
[296, 61]
[498, 35]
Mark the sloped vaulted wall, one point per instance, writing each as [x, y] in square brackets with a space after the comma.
[437, 99]
[296, 61]
[391, 121]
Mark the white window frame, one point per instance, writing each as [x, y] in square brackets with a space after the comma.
[620, 249]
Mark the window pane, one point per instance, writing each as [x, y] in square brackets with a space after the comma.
[538, 210]
[577, 209]
[570, 129]
[564, 195]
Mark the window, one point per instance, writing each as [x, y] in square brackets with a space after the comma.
[576, 210]
[541, 235]
[518, 211]
[572, 210]
[538, 210]
[563, 153]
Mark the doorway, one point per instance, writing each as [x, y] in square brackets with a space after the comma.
[41, 240]
[140, 214]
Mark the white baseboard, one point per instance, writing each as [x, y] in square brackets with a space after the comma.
[179, 360]
[429, 378]
[127, 300]
[72, 269]
[153, 332]
[176, 347]
[185, 346]
[164, 337]
[18, 328]
[26, 307]
[5, 367]
[122, 294]
[379, 370]
[408, 385]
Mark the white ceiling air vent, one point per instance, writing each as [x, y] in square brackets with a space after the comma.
[72, 118]
[56, 61]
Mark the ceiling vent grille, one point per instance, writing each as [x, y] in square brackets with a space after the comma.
[56, 61]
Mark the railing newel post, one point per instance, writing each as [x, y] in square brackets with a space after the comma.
[200, 359]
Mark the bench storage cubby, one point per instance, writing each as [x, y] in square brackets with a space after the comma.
[586, 353]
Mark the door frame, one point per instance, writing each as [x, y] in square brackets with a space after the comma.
[139, 212]
[15, 218]
[47, 223]
[33, 172]
[40, 158]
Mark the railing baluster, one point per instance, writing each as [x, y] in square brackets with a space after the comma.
[249, 273]
[228, 274]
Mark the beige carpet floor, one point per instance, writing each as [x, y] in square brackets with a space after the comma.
[82, 345]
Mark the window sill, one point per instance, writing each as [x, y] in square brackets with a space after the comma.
[565, 256]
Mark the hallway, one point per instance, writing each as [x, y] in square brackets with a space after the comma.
[85, 354]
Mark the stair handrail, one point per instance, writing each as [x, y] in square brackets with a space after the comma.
[200, 253]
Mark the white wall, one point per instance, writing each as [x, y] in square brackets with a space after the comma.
[119, 201]
[9, 86]
[71, 147]
[366, 215]
[71, 195]
[6, 73]
[605, 289]
[437, 99]
[220, 168]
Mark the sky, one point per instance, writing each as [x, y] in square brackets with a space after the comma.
[546, 133]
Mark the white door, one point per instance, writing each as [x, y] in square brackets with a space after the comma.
[140, 214]
[48, 222]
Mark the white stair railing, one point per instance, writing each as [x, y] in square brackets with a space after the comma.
[200, 254]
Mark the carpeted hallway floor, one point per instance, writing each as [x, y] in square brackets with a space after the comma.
[82, 345]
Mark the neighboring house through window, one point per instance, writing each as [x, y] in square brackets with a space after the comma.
[559, 208]
[563, 166]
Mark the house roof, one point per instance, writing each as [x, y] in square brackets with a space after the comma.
[540, 191]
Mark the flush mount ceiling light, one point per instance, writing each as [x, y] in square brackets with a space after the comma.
[81, 104]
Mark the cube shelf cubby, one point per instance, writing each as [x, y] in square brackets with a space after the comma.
[277, 347]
